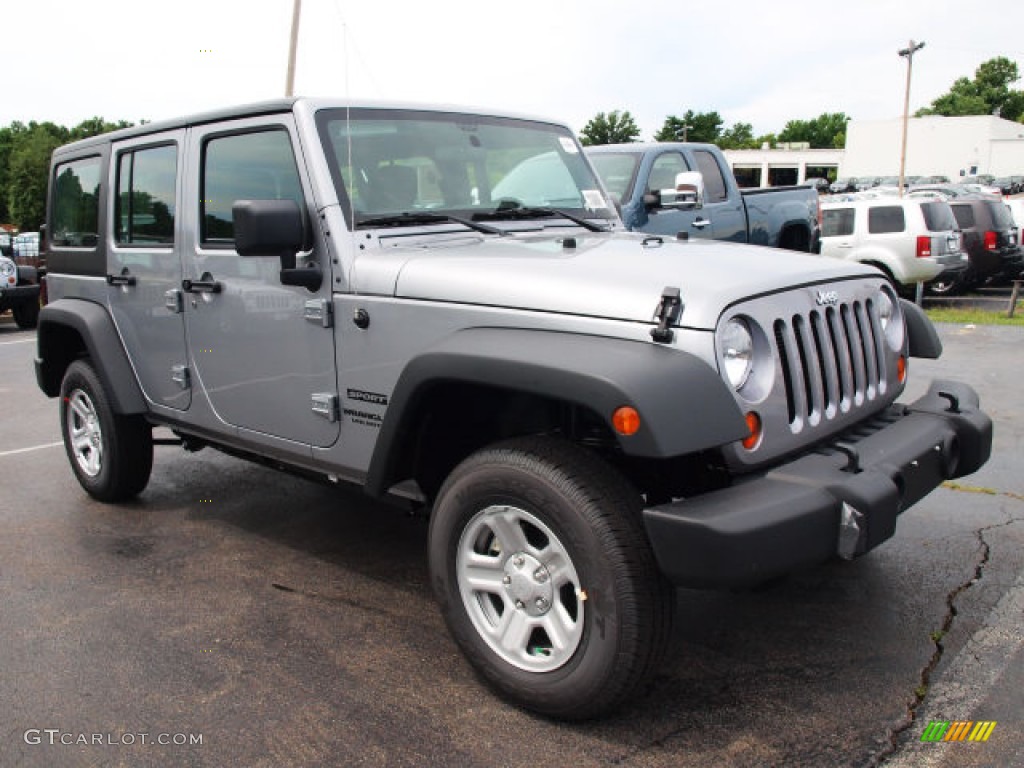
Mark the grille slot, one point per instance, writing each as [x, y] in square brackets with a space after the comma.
[832, 360]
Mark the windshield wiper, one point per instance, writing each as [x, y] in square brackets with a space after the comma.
[505, 211]
[410, 218]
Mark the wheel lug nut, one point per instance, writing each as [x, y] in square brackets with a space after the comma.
[519, 605]
[541, 603]
[540, 575]
[519, 561]
[507, 580]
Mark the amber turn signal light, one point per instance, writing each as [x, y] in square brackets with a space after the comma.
[626, 420]
[754, 425]
[901, 368]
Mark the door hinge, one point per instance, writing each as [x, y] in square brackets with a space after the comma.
[180, 376]
[325, 404]
[318, 311]
[174, 300]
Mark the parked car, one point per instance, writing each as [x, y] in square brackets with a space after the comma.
[820, 185]
[643, 180]
[911, 240]
[1005, 185]
[19, 292]
[590, 416]
[866, 182]
[846, 184]
[992, 243]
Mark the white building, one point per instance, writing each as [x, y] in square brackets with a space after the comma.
[792, 164]
[946, 146]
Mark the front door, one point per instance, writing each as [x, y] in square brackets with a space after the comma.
[261, 351]
[144, 266]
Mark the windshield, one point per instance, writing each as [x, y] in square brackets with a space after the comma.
[386, 163]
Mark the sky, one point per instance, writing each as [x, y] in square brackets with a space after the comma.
[751, 61]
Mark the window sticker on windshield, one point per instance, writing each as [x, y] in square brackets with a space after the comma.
[593, 199]
[568, 145]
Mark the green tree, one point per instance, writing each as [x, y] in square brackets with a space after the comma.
[988, 93]
[25, 165]
[826, 131]
[738, 136]
[614, 128]
[28, 169]
[692, 126]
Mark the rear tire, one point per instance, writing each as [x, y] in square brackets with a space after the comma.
[539, 560]
[111, 455]
[946, 286]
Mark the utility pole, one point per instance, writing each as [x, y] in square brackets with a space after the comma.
[908, 53]
[289, 86]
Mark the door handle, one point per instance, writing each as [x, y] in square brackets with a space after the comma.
[123, 279]
[205, 284]
[700, 223]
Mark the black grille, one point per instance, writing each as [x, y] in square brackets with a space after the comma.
[832, 362]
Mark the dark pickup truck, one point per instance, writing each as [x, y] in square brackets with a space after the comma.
[643, 179]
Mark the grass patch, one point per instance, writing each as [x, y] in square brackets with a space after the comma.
[975, 316]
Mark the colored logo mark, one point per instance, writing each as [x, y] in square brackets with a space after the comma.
[958, 730]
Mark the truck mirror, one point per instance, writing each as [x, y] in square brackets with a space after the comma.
[689, 191]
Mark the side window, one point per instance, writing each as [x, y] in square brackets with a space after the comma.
[837, 222]
[714, 182]
[75, 220]
[244, 166]
[145, 196]
[664, 170]
[883, 219]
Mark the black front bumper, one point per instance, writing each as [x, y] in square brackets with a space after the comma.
[843, 500]
[18, 294]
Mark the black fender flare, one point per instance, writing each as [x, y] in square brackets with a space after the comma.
[93, 324]
[684, 404]
[924, 340]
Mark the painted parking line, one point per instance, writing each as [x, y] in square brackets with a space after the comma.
[27, 450]
[19, 341]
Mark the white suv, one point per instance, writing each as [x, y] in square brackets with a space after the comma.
[911, 240]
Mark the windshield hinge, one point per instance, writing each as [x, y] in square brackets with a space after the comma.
[669, 309]
[318, 311]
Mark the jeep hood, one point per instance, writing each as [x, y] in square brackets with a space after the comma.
[614, 276]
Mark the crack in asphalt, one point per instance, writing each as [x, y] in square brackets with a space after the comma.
[947, 623]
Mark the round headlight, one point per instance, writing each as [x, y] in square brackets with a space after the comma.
[7, 268]
[890, 319]
[737, 347]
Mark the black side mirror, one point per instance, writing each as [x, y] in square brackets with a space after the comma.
[275, 228]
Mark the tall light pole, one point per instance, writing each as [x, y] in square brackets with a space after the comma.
[907, 52]
[289, 86]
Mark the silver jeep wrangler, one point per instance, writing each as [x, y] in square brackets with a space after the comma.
[591, 416]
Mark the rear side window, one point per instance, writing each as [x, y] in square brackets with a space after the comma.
[714, 182]
[145, 196]
[1001, 216]
[938, 217]
[837, 222]
[75, 220]
[245, 166]
[886, 218]
[964, 215]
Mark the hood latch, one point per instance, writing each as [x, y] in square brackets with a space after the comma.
[669, 309]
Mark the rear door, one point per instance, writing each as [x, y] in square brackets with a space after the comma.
[144, 264]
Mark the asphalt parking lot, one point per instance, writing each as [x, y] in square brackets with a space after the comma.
[233, 615]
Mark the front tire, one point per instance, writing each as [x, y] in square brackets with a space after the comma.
[111, 455]
[26, 314]
[546, 579]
